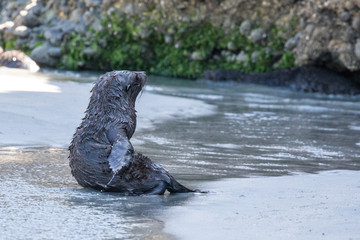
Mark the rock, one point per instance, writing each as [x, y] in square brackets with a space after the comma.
[102, 42]
[66, 26]
[133, 9]
[349, 5]
[231, 46]
[38, 30]
[245, 27]
[357, 49]
[309, 29]
[30, 20]
[37, 10]
[254, 56]
[345, 16]
[80, 28]
[13, 5]
[6, 25]
[88, 17]
[106, 4]
[55, 52]
[356, 24]
[326, 25]
[291, 43]
[347, 56]
[197, 56]
[41, 56]
[349, 35]
[93, 3]
[22, 31]
[302, 79]
[257, 35]
[97, 26]
[225, 53]
[242, 57]
[89, 52]
[8, 34]
[32, 40]
[168, 38]
[54, 35]
[231, 58]
[144, 33]
[17, 59]
[20, 42]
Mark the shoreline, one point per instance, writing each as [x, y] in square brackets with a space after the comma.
[40, 109]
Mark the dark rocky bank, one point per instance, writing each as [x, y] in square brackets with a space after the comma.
[302, 79]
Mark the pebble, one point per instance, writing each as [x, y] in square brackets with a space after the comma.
[22, 31]
[54, 35]
[245, 27]
[356, 24]
[55, 52]
[197, 56]
[89, 52]
[257, 35]
[242, 57]
[254, 56]
[357, 49]
[41, 56]
[30, 20]
[231, 46]
[345, 16]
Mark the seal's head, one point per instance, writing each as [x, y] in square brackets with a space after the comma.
[118, 85]
[113, 100]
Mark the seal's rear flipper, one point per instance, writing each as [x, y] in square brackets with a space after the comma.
[176, 187]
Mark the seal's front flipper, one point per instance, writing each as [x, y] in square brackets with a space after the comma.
[121, 155]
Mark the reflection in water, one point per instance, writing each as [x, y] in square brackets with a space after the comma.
[255, 131]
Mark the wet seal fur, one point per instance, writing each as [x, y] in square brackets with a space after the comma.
[302, 79]
[101, 155]
[17, 59]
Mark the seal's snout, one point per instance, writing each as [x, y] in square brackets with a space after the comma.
[141, 78]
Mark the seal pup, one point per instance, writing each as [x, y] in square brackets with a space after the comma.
[101, 155]
[17, 59]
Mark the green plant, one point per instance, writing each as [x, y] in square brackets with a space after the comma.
[142, 43]
[10, 44]
[73, 51]
[287, 60]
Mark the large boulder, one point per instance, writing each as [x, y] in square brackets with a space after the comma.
[41, 55]
[17, 59]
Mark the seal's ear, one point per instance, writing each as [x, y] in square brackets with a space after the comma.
[127, 87]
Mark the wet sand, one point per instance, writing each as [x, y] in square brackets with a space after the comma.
[304, 206]
[38, 112]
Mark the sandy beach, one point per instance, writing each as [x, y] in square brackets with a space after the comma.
[304, 206]
[36, 111]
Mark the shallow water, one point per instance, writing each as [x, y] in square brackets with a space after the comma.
[254, 131]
